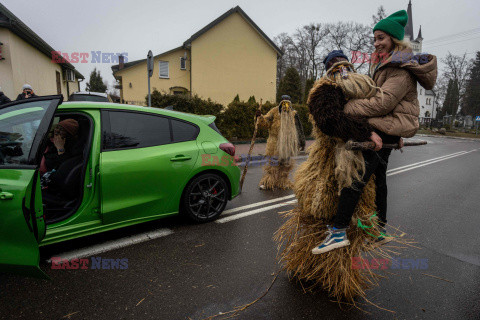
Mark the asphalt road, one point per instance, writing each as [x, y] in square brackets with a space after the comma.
[196, 271]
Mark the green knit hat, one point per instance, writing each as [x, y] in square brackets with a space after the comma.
[394, 24]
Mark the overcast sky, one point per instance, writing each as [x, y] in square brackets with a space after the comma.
[141, 25]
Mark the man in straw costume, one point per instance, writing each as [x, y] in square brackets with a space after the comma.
[336, 187]
[318, 181]
[284, 139]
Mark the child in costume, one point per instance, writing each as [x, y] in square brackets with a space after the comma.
[284, 139]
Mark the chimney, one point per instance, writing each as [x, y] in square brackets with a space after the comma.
[121, 62]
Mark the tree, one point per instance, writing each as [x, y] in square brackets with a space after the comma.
[351, 37]
[96, 83]
[291, 85]
[455, 97]
[379, 16]
[456, 68]
[471, 100]
[308, 85]
[447, 101]
[284, 43]
[450, 104]
[308, 41]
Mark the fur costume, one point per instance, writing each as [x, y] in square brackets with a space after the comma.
[317, 184]
[285, 137]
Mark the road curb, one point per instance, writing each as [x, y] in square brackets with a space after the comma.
[263, 160]
[449, 137]
[260, 156]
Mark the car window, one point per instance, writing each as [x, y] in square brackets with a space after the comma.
[135, 130]
[18, 127]
[87, 97]
[183, 131]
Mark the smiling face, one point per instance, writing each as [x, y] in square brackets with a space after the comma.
[383, 42]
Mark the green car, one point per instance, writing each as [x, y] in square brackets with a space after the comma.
[132, 164]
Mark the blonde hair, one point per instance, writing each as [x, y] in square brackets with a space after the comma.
[398, 45]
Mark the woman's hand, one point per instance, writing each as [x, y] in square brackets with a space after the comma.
[59, 143]
[377, 140]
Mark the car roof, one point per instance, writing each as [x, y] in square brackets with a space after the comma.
[100, 94]
[127, 107]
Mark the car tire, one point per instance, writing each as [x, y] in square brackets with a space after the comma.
[205, 198]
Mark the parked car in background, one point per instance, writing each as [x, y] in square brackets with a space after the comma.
[90, 96]
[133, 164]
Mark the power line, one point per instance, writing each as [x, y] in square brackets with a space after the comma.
[451, 38]
[440, 45]
[454, 35]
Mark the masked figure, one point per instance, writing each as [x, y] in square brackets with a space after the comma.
[319, 180]
[285, 138]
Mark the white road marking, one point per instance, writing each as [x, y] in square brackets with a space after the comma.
[147, 236]
[249, 213]
[112, 245]
[390, 172]
[257, 204]
[431, 162]
[425, 161]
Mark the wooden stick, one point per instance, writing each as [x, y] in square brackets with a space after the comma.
[429, 275]
[353, 145]
[252, 143]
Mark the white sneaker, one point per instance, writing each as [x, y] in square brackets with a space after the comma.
[336, 238]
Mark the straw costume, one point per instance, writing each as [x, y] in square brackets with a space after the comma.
[285, 138]
[318, 182]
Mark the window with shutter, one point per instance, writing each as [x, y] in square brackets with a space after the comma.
[164, 69]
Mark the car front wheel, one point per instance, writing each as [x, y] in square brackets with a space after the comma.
[205, 197]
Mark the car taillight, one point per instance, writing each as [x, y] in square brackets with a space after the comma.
[228, 148]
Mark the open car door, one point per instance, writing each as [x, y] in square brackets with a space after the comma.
[23, 131]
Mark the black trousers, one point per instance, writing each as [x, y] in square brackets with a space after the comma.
[375, 163]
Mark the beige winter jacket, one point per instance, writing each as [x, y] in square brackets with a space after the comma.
[397, 114]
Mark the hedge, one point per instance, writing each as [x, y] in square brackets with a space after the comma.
[236, 122]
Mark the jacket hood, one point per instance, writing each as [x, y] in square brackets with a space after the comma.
[425, 70]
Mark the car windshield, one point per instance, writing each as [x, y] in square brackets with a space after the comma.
[18, 127]
[88, 97]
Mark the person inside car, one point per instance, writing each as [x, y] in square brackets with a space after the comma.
[62, 147]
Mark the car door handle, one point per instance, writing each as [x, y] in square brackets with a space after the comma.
[180, 157]
[6, 196]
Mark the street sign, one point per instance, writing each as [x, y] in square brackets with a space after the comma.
[477, 118]
[150, 63]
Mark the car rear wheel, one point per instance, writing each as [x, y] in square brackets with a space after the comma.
[205, 197]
